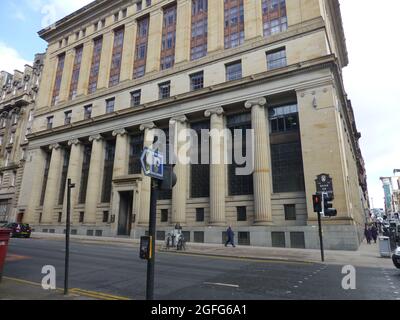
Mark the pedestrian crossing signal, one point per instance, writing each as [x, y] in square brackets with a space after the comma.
[317, 203]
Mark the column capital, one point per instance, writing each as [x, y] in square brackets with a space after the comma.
[119, 132]
[255, 102]
[96, 137]
[74, 142]
[219, 111]
[180, 119]
[149, 125]
[54, 146]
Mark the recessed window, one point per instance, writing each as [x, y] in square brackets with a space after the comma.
[50, 122]
[234, 71]
[87, 111]
[124, 13]
[199, 214]
[241, 213]
[103, 23]
[12, 138]
[68, 117]
[244, 238]
[135, 98]
[139, 6]
[197, 81]
[81, 217]
[276, 59]
[164, 90]
[84, 32]
[198, 236]
[116, 17]
[290, 212]
[96, 26]
[59, 217]
[274, 16]
[13, 178]
[110, 104]
[106, 215]
[164, 215]
[284, 119]
[148, 3]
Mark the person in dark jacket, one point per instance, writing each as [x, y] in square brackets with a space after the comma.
[231, 235]
[374, 233]
[368, 234]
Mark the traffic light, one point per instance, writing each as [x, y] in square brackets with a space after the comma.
[317, 203]
[328, 211]
[145, 248]
[170, 178]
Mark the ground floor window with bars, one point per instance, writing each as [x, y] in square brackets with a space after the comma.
[108, 171]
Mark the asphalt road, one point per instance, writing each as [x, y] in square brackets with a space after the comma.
[117, 270]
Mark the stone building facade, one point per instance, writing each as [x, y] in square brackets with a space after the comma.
[18, 92]
[116, 70]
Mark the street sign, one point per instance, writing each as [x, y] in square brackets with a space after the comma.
[152, 164]
[324, 184]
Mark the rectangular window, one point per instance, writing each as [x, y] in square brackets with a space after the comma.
[274, 16]
[276, 59]
[198, 236]
[75, 73]
[197, 81]
[87, 113]
[116, 57]
[108, 171]
[199, 214]
[12, 138]
[164, 215]
[241, 213]
[148, 3]
[290, 212]
[142, 37]
[200, 173]
[135, 98]
[59, 218]
[139, 5]
[67, 117]
[95, 66]
[124, 13]
[106, 215]
[87, 153]
[57, 82]
[116, 17]
[64, 173]
[284, 119]
[168, 38]
[50, 122]
[198, 44]
[81, 217]
[164, 90]
[278, 239]
[136, 148]
[239, 184]
[45, 177]
[233, 71]
[160, 235]
[297, 240]
[244, 238]
[110, 104]
[234, 23]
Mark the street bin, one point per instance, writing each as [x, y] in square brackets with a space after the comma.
[384, 247]
[4, 238]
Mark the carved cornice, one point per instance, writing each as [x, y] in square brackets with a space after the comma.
[219, 111]
[255, 102]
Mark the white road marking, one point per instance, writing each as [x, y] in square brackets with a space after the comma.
[288, 292]
[222, 284]
[300, 281]
[295, 286]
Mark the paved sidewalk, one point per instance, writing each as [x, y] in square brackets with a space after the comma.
[15, 289]
[366, 256]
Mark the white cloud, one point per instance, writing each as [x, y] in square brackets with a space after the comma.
[371, 81]
[10, 59]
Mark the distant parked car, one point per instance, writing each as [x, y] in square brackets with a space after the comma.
[396, 258]
[19, 230]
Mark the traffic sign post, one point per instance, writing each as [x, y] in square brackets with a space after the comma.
[152, 164]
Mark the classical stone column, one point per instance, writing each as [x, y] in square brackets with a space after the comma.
[217, 166]
[53, 184]
[215, 25]
[84, 73]
[121, 153]
[145, 190]
[183, 36]
[74, 173]
[67, 74]
[154, 41]
[179, 195]
[95, 178]
[253, 24]
[105, 62]
[262, 162]
[128, 51]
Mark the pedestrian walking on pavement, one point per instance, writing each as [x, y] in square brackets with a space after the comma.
[368, 234]
[231, 235]
[374, 233]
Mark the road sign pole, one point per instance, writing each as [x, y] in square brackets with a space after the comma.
[320, 237]
[152, 234]
[67, 233]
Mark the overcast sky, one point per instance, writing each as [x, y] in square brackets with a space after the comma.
[372, 78]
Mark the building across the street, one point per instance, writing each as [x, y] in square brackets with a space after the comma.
[115, 71]
[18, 92]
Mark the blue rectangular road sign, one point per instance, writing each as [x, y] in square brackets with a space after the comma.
[152, 163]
